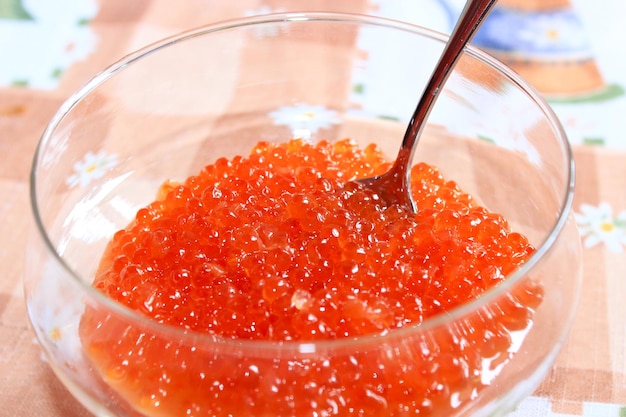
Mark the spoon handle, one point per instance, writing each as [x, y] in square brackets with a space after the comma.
[470, 20]
[394, 186]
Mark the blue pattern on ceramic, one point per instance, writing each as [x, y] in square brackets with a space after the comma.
[548, 34]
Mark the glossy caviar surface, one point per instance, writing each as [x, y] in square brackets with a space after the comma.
[276, 246]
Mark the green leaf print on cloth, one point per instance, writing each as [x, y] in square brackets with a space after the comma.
[44, 40]
[13, 9]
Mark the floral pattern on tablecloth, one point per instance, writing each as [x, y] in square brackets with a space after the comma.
[304, 119]
[91, 167]
[43, 39]
[599, 225]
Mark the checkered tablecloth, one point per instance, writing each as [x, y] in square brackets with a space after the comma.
[571, 51]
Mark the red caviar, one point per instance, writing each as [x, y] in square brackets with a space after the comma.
[278, 246]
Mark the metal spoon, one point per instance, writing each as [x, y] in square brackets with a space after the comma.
[393, 187]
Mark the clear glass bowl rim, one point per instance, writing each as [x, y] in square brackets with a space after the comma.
[175, 333]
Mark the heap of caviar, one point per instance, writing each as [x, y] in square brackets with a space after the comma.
[281, 246]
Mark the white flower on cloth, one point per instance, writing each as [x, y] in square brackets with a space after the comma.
[55, 313]
[304, 119]
[597, 224]
[91, 167]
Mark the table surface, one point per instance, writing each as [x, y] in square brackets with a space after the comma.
[567, 49]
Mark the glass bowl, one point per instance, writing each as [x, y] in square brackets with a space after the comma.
[166, 111]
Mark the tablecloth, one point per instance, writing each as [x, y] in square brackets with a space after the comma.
[572, 52]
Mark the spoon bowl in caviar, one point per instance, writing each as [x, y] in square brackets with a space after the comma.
[394, 186]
